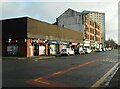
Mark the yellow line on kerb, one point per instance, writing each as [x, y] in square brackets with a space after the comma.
[102, 79]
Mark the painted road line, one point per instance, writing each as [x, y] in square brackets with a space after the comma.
[67, 70]
[102, 79]
[41, 81]
[46, 83]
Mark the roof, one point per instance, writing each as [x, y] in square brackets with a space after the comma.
[68, 10]
[43, 30]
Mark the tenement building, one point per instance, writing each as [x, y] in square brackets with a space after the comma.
[99, 18]
[28, 37]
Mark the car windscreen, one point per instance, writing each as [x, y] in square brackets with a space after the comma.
[63, 50]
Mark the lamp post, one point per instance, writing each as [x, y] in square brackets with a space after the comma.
[62, 35]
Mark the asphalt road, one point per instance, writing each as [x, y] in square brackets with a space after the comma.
[66, 71]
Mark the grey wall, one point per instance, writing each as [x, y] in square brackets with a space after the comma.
[71, 19]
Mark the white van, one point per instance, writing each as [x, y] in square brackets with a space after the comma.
[87, 50]
[67, 51]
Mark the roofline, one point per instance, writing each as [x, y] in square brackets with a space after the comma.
[67, 10]
[94, 11]
[15, 18]
[26, 17]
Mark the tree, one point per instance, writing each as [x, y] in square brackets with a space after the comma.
[111, 43]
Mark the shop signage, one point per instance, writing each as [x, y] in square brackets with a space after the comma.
[65, 43]
[80, 44]
[74, 43]
[86, 42]
[53, 42]
[12, 41]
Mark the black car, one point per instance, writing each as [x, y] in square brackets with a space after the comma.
[76, 51]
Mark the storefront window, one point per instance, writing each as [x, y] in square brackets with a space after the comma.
[12, 50]
[53, 49]
[41, 50]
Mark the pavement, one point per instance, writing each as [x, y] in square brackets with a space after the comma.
[114, 82]
[34, 57]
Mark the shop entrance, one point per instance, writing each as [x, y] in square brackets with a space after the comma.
[36, 50]
[53, 49]
[42, 50]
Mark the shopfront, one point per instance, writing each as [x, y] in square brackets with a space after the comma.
[94, 45]
[86, 44]
[12, 47]
[53, 47]
[64, 44]
[74, 45]
[39, 47]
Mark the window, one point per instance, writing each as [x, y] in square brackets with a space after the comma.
[92, 30]
[91, 37]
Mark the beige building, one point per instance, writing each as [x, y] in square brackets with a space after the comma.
[99, 18]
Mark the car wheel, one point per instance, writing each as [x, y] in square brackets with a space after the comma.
[68, 54]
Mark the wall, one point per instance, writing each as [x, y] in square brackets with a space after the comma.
[71, 19]
[43, 30]
[15, 29]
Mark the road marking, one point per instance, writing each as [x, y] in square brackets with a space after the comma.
[102, 79]
[69, 69]
[44, 82]
[41, 81]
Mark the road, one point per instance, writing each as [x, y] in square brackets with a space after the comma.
[66, 71]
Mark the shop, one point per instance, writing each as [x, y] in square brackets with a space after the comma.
[64, 44]
[38, 47]
[12, 47]
[86, 44]
[94, 45]
[73, 45]
[53, 47]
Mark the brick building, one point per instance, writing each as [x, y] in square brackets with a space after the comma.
[30, 37]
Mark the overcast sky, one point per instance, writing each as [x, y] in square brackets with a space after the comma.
[49, 11]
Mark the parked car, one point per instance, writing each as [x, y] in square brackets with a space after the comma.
[76, 51]
[67, 51]
[104, 49]
[109, 49]
[87, 50]
[99, 50]
[81, 51]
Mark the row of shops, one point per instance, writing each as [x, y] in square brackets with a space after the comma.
[38, 47]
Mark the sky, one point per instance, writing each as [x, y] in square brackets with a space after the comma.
[49, 10]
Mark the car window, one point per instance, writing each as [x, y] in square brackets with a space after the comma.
[64, 50]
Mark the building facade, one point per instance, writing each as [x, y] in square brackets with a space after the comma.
[70, 19]
[30, 37]
[99, 18]
[92, 33]
[82, 23]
